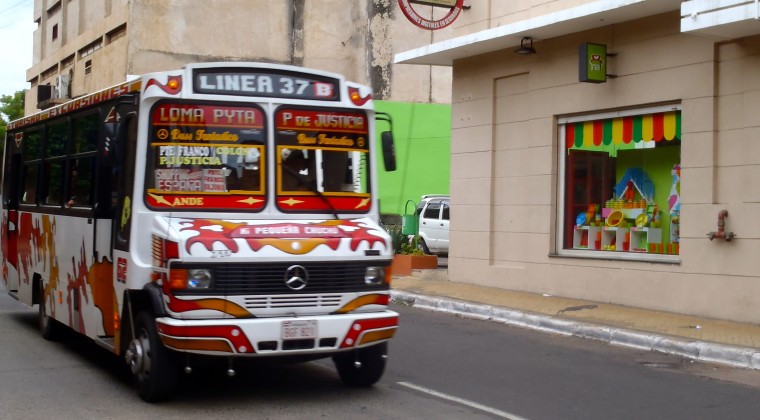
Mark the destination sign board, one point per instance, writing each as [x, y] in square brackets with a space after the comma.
[329, 129]
[281, 84]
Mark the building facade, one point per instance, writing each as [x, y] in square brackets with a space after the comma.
[98, 43]
[641, 190]
[81, 46]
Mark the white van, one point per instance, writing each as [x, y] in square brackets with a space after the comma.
[433, 212]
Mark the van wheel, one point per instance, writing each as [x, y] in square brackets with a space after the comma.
[50, 329]
[153, 366]
[422, 246]
[368, 370]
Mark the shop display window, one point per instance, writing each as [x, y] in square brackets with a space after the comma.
[621, 183]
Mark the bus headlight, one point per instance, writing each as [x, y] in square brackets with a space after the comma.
[374, 276]
[198, 279]
[190, 279]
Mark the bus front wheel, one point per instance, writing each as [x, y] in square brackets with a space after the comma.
[153, 366]
[362, 367]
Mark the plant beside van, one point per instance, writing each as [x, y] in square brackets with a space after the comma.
[405, 244]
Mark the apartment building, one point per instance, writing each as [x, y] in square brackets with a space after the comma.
[607, 150]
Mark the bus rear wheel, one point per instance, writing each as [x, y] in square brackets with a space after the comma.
[153, 366]
[362, 367]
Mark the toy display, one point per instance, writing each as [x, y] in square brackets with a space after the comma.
[631, 219]
[627, 168]
[615, 218]
[642, 220]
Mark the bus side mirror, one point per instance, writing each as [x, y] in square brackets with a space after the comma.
[389, 151]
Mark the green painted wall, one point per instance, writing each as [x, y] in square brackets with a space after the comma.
[423, 153]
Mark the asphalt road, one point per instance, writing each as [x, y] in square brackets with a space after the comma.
[76, 379]
[440, 367]
[543, 376]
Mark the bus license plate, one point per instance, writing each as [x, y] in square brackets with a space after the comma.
[292, 330]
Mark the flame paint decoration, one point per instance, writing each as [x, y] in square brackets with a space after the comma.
[212, 231]
[361, 100]
[220, 305]
[76, 290]
[36, 251]
[165, 87]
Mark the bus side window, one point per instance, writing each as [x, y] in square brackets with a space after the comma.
[80, 189]
[29, 195]
[53, 189]
[55, 149]
[81, 175]
[11, 177]
[32, 153]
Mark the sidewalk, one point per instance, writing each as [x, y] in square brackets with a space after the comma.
[730, 343]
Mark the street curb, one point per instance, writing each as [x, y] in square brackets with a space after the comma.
[741, 357]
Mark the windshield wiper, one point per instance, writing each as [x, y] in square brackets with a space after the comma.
[313, 188]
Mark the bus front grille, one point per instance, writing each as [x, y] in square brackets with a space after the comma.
[270, 279]
[326, 301]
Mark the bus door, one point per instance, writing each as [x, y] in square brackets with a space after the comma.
[120, 155]
[123, 180]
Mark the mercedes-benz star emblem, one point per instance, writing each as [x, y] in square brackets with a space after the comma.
[296, 277]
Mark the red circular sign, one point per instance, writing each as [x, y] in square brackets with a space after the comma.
[423, 23]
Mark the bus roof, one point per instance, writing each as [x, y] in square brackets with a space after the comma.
[78, 103]
[331, 84]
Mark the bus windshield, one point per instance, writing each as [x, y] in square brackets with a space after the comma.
[207, 156]
[212, 156]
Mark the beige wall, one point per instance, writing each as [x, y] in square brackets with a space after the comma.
[435, 81]
[505, 171]
[333, 41]
[486, 14]
[357, 39]
[161, 38]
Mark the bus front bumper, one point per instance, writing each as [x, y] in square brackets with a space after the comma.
[277, 336]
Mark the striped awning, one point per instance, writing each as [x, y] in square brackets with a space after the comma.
[663, 126]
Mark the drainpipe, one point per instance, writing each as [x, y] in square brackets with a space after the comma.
[721, 233]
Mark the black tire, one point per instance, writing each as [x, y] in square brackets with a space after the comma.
[372, 361]
[50, 329]
[153, 366]
[422, 246]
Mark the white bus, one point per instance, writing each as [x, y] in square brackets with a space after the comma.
[224, 210]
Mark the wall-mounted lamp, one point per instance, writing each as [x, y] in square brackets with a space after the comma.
[526, 46]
